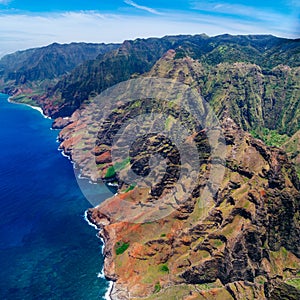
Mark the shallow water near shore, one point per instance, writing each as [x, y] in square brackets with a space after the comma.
[47, 249]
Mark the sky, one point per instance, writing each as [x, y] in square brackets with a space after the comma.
[30, 23]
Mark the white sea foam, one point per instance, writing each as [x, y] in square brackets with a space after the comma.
[101, 274]
[80, 176]
[113, 184]
[103, 245]
[39, 110]
[92, 182]
[67, 156]
[64, 154]
[89, 222]
[31, 106]
[109, 290]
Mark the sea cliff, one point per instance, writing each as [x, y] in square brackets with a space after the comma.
[248, 244]
[241, 240]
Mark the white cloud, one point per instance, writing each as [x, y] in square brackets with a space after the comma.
[235, 9]
[21, 31]
[5, 1]
[148, 9]
[263, 17]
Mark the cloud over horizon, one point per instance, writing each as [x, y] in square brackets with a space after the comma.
[23, 29]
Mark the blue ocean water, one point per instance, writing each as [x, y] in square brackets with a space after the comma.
[47, 250]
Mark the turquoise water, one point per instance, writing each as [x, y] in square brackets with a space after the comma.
[47, 250]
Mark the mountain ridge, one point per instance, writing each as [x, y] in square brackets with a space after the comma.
[247, 245]
[140, 52]
[48, 62]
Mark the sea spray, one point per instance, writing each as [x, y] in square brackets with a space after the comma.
[101, 274]
[109, 290]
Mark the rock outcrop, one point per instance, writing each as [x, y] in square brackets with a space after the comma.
[246, 244]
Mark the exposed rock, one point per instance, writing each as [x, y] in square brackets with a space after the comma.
[239, 241]
[241, 244]
[60, 123]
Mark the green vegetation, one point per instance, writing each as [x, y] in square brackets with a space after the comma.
[284, 252]
[180, 54]
[294, 282]
[24, 99]
[270, 137]
[39, 64]
[110, 172]
[163, 235]
[261, 280]
[217, 243]
[130, 188]
[206, 286]
[121, 247]
[222, 49]
[169, 122]
[164, 268]
[118, 166]
[216, 54]
[292, 149]
[157, 287]
[135, 104]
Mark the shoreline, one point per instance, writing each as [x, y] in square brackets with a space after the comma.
[107, 295]
[37, 108]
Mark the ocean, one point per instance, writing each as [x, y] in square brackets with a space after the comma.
[47, 249]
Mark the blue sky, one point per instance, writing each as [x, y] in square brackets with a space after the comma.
[29, 23]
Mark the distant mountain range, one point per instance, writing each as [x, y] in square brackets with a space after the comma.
[48, 62]
[260, 71]
[139, 56]
[80, 71]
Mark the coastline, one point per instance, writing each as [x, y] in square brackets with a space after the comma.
[31, 106]
[107, 296]
[109, 289]
[108, 293]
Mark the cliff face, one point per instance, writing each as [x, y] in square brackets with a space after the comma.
[28, 74]
[238, 239]
[240, 73]
[139, 56]
[253, 97]
[292, 147]
[247, 244]
[244, 242]
[130, 59]
[265, 103]
[48, 62]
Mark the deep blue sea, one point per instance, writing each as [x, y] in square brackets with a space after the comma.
[47, 250]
